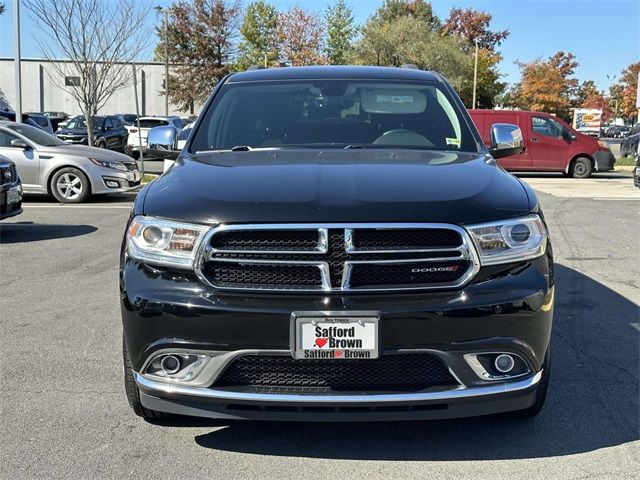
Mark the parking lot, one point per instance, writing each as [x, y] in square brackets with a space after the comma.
[64, 412]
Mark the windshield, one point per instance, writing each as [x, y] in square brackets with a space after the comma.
[334, 114]
[36, 135]
[79, 122]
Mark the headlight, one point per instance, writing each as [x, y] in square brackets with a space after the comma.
[164, 242]
[510, 240]
[114, 165]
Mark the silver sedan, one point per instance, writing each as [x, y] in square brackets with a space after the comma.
[70, 173]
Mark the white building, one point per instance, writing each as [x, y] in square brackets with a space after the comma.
[43, 90]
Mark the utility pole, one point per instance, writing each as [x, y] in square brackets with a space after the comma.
[135, 94]
[17, 58]
[166, 62]
[475, 76]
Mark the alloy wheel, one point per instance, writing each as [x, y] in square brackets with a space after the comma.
[69, 186]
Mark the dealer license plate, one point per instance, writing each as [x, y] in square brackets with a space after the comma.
[335, 336]
[13, 195]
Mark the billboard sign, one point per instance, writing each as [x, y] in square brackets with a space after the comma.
[587, 120]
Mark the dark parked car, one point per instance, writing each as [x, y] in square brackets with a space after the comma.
[10, 189]
[56, 118]
[336, 243]
[37, 120]
[108, 132]
[629, 145]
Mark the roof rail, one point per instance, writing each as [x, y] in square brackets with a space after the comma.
[255, 67]
[411, 66]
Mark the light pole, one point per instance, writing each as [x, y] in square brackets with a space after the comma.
[17, 58]
[475, 75]
[166, 58]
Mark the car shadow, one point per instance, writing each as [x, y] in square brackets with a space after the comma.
[22, 232]
[592, 401]
[111, 198]
[596, 175]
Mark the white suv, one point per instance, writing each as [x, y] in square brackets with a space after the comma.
[137, 141]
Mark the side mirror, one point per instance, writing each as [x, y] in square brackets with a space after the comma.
[163, 142]
[568, 136]
[506, 139]
[19, 143]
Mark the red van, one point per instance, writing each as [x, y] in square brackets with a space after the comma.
[551, 145]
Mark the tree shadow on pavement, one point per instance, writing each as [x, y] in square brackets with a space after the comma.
[592, 402]
[23, 232]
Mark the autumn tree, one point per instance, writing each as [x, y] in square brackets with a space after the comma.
[473, 25]
[341, 31]
[201, 46]
[259, 44]
[596, 99]
[627, 89]
[546, 85]
[300, 37]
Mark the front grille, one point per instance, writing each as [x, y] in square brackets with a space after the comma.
[8, 174]
[337, 258]
[282, 374]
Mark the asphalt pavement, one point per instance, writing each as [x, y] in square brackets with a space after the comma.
[63, 412]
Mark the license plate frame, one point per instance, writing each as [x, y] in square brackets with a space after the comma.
[13, 196]
[367, 329]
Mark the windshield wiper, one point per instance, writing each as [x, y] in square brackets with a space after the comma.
[241, 148]
[349, 147]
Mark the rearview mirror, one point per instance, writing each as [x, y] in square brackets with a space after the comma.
[19, 143]
[163, 142]
[506, 139]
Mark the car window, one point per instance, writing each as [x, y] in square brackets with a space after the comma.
[109, 123]
[42, 121]
[176, 123]
[546, 126]
[6, 138]
[184, 134]
[153, 122]
[36, 135]
[334, 114]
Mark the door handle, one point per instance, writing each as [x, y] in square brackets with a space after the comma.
[534, 139]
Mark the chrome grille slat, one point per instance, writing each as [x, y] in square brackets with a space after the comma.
[336, 256]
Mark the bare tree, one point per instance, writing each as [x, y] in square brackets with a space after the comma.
[94, 41]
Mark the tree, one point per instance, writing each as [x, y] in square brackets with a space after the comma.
[586, 88]
[341, 31]
[473, 25]
[626, 90]
[259, 35]
[597, 100]
[300, 38]
[418, 9]
[100, 41]
[1, 8]
[201, 45]
[546, 85]
[409, 40]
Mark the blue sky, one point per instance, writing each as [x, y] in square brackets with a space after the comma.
[603, 34]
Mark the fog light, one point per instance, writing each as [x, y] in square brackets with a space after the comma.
[112, 184]
[171, 364]
[504, 363]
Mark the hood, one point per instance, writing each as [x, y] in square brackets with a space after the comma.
[72, 131]
[325, 186]
[86, 151]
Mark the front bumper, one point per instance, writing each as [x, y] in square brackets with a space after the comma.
[506, 308]
[109, 180]
[604, 160]
[10, 209]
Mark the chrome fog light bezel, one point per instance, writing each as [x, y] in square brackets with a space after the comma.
[483, 373]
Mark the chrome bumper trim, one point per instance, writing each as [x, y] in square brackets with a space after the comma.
[153, 387]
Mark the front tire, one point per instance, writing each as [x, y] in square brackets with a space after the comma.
[132, 392]
[581, 168]
[70, 185]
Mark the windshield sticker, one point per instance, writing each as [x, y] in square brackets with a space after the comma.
[394, 99]
[453, 141]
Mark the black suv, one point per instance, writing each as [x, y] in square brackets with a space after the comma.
[108, 132]
[336, 243]
[10, 189]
